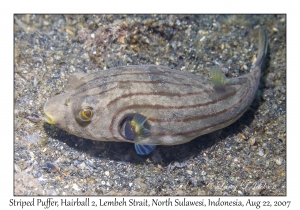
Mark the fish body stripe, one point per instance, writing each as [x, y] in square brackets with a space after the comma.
[98, 80]
[177, 106]
[243, 86]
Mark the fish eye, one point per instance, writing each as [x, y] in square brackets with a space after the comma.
[85, 114]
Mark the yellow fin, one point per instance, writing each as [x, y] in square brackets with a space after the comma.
[136, 128]
[138, 122]
[217, 78]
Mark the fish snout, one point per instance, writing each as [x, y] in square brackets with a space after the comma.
[54, 111]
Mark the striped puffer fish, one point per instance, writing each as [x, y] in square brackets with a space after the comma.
[151, 105]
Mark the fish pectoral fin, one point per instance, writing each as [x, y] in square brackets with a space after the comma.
[143, 134]
[139, 119]
[217, 78]
[138, 124]
[143, 149]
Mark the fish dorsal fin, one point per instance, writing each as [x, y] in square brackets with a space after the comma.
[217, 78]
[74, 81]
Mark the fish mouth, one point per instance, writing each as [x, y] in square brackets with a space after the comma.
[49, 119]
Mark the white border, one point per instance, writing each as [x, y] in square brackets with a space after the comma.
[154, 6]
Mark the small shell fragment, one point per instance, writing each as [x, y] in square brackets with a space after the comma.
[252, 141]
[50, 167]
[34, 118]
